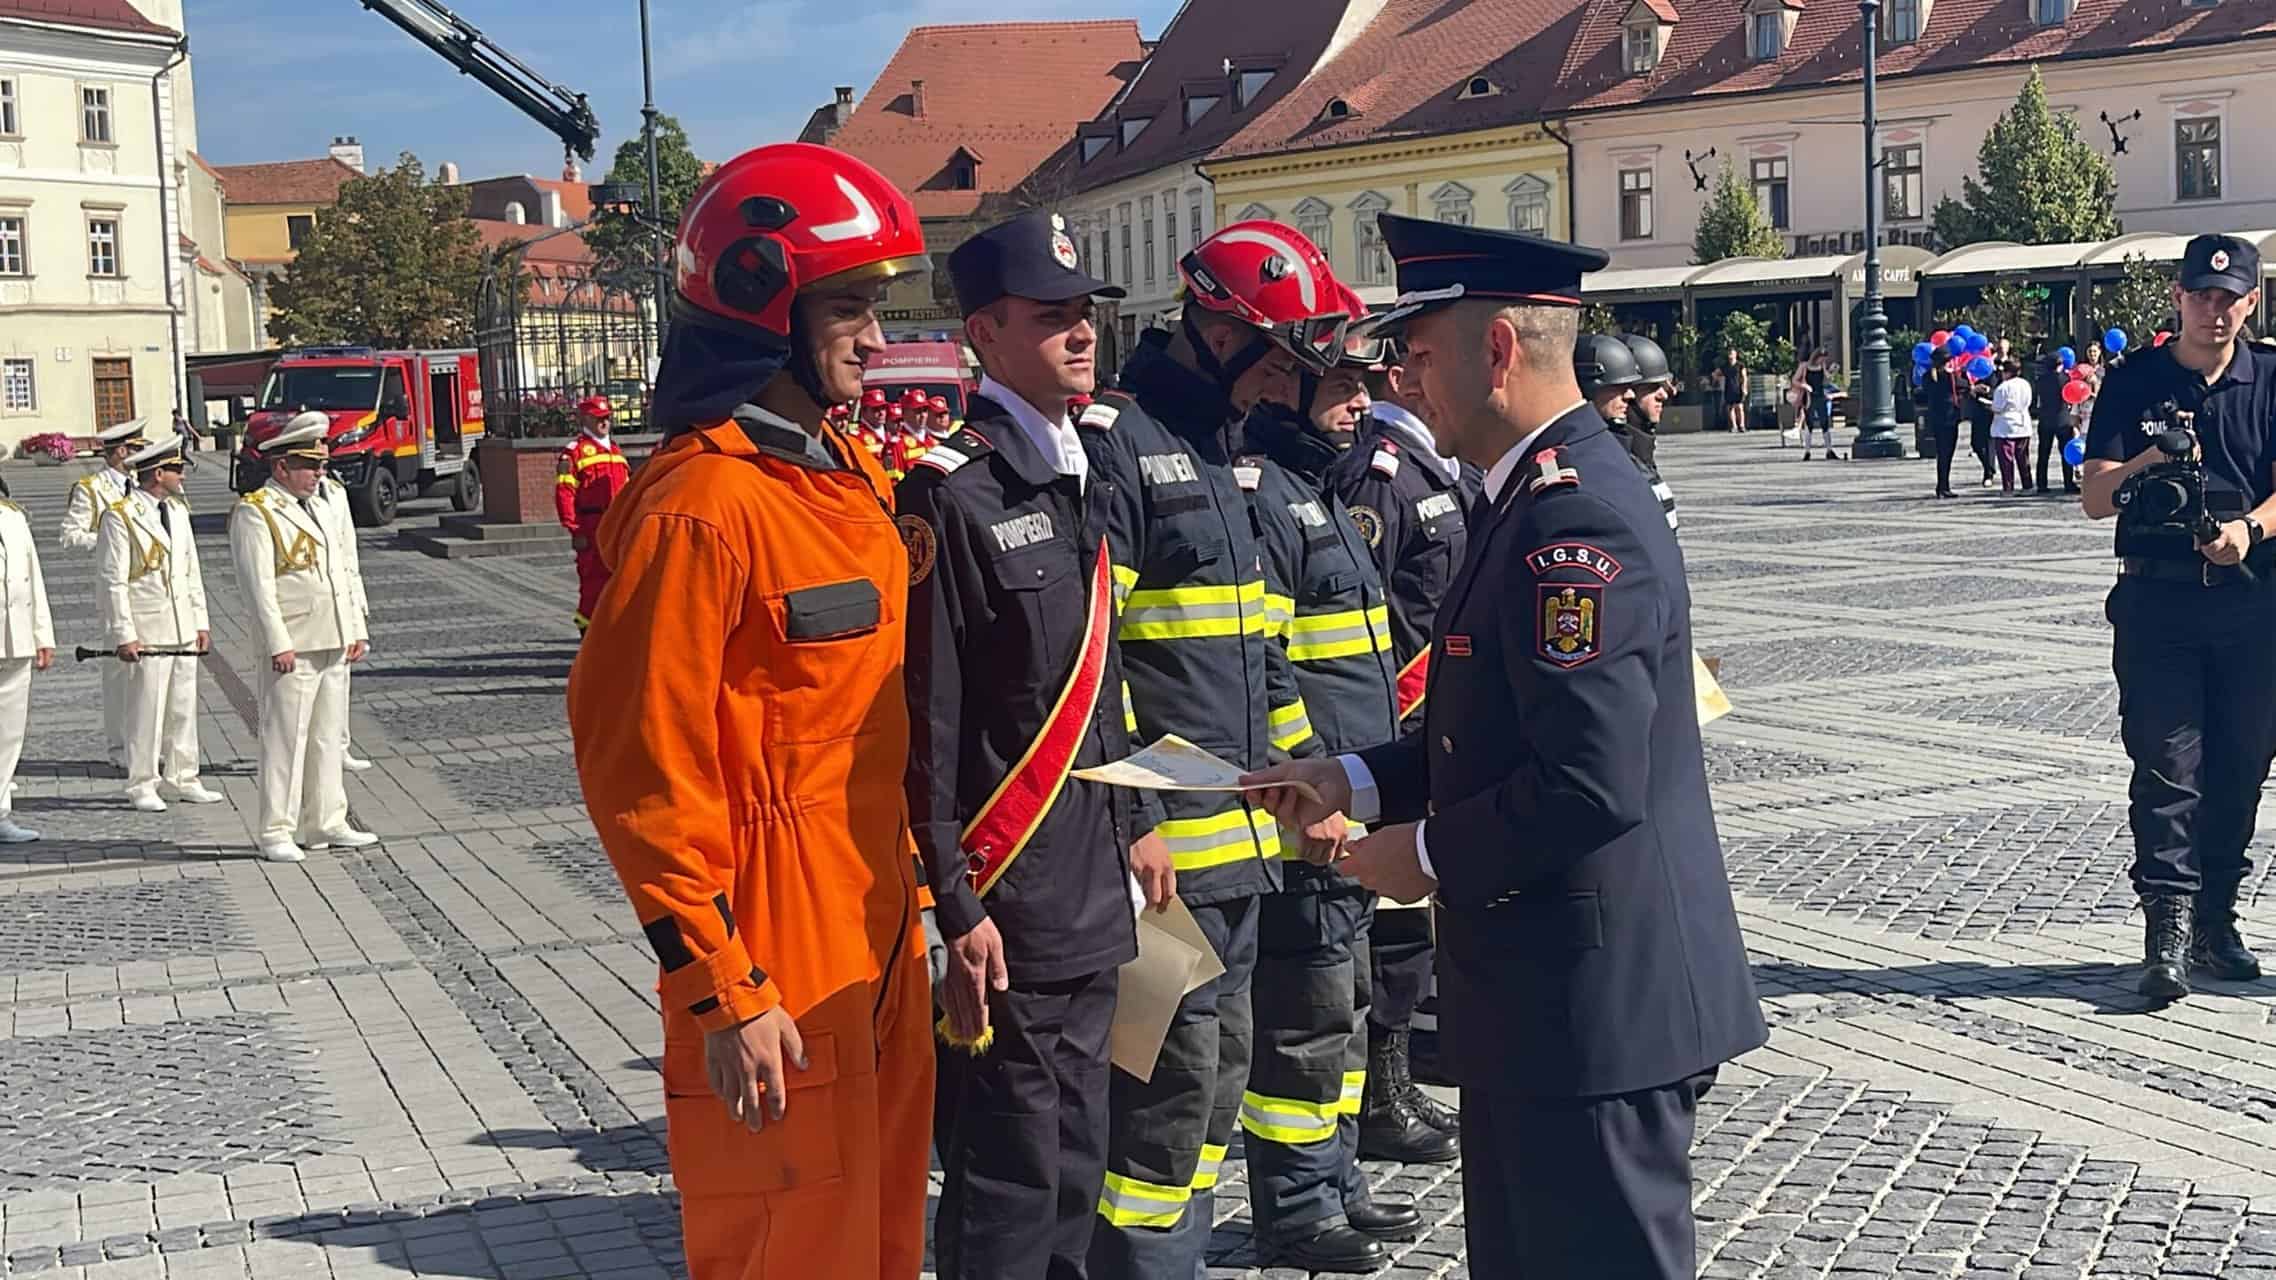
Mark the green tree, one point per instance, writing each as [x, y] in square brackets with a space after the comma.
[1733, 225]
[394, 264]
[1598, 318]
[1750, 337]
[2139, 301]
[2037, 181]
[1683, 350]
[625, 249]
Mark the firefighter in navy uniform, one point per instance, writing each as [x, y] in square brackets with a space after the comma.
[1555, 802]
[2190, 616]
[1312, 1205]
[1408, 502]
[1200, 664]
[1647, 400]
[1014, 681]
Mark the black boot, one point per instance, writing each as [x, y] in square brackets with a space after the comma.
[1398, 1066]
[1337, 1248]
[1389, 1126]
[2214, 945]
[1385, 1217]
[2165, 947]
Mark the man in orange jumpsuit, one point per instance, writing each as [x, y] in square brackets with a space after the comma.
[742, 729]
[591, 472]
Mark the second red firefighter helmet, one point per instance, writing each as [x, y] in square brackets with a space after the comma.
[1272, 277]
[938, 404]
[780, 220]
[595, 408]
[874, 398]
[913, 398]
[895, 413]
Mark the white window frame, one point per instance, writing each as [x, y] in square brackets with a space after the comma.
[1766, 35]
[1371, 261]
[95, 243]
[1643, 186]
[10, 383]
[1640, 48]
[1195, 219]
[1257, 212]
[11, 110]
[2220, 154]
[2050, 13]
[22, 239]
[1919, 188]
[1892, 32]
[1455, 205]
[95, 107]
[1766, 185]
[1129, 261]
[1146, 233]
[1170, 230]
[1316, 218]
[1528, 192]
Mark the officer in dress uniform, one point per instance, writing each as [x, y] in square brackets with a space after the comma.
[2189, 617]
[295, 552]
[587, 477]
[27, 644]
[1407, 501]
[92, 495]
[1015, 680]
[146, 565]
[1593, 972]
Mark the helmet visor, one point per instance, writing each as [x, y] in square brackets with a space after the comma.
[1317, 342]
[878, 272]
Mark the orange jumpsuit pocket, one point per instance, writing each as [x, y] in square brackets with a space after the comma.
[713, 1155]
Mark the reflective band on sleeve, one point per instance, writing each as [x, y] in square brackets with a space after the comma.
[1318, 637]
[566, 481]
[1354, 1088]
[1279, 611]
[1128, 1202]
[1192, 613]
[1291, 725]
[1291, 1122]
[1124, 580]
[1205, 1173]
[1197, 844]
[1129, 709]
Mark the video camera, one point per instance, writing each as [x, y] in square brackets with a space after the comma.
[2164, 503]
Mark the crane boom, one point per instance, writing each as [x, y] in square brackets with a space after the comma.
[562, 112]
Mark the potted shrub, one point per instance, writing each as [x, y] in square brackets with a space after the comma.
[49, 448]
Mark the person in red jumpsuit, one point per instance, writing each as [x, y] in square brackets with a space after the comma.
[591, 472]
[869, 430]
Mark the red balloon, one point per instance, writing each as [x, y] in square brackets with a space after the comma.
[2074, 392]
[1939, 338]
[2078, 373]
[2162, 336]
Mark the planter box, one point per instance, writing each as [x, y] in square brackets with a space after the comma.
[1683, 419]
[518, 475]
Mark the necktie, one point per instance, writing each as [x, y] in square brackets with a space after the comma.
[309, 505]
[166, 518]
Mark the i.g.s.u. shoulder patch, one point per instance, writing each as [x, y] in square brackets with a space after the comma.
[1369, 522]
[923, 547]
[1572, 622]
[1575, 555]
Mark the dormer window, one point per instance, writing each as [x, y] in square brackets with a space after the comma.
[964, 171]
[1644, 35]
[1770, 26]
[1337, 109]
[1198, 105]
[1134, 126]
[1641, 50]
[1094, 144]
[1248, 84]
[1901, 21]
[1478, 87]
[2051, 13]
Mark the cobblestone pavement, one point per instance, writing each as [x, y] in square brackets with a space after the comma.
[436, 1057]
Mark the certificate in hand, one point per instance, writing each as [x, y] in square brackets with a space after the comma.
[1173, 764]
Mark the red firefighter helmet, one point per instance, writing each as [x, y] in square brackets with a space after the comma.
[838, 413]
[895, 413]
[874, 398]
[596, 408]
[913, 398]
[780, 220]
[1272, 277]
[938, 404]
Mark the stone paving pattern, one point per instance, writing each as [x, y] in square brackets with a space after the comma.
[436, 1057]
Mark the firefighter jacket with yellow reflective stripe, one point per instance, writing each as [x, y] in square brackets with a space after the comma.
[1410, 515]
[1002, 556]
[1195, 648]
[588, 475]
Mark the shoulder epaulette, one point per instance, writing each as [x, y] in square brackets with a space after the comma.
[1547, 474]
[953, 453]
[9, 505]
[1099, 415]
[1386, 460]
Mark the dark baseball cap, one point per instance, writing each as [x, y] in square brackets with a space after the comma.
[1027, 257]
[2220, 262]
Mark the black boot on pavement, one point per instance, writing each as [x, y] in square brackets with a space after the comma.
[1385, 1217]
[2215, 947]
[1389, 1126]
[2165, 947]
[1336, 1249]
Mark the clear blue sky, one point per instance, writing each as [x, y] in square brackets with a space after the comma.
[276, 79]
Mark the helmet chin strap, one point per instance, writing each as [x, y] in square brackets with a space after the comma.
[802, 369]
[1226, 372]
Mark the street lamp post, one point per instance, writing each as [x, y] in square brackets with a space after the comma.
[1877, 433]
[655, 185]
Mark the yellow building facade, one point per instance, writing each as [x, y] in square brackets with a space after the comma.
[1509, 178]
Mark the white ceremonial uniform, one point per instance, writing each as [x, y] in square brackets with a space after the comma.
[91, 496]
[154, 593]
[25, 629]
[332, 496]
[298, 564]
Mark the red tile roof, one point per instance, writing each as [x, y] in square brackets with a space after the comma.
[566, 249]
[285, 182]
[576, 197]
[1404, 75]
[1010, 91]
[111, 15]
[1190, 59]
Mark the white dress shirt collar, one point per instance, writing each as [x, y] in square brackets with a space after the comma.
[1498, 478]
[1417, 434]
[1055, 440]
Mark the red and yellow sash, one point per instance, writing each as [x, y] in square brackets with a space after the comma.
[1002, 828]
[1414, 680]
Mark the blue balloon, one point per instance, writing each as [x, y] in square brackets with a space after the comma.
[2074, 451]
[1919, 372]
[1921, 351]
[1980, 368]
[1956, 348]
[2114, 341]
[2067, 357]
[1963, 331]
[1978, 344]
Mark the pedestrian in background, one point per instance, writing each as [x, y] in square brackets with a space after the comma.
[1813, 376]
[1733, 376]
[2012, 426]
[1944, 400]
[27, 644]
[2054, 422]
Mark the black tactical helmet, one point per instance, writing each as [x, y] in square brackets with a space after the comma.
[1651, 362]
[1601, 360]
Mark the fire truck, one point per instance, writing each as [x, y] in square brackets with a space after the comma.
[937, 368]
[401, 420]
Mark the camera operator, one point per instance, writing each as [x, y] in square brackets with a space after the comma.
[2194, 607]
